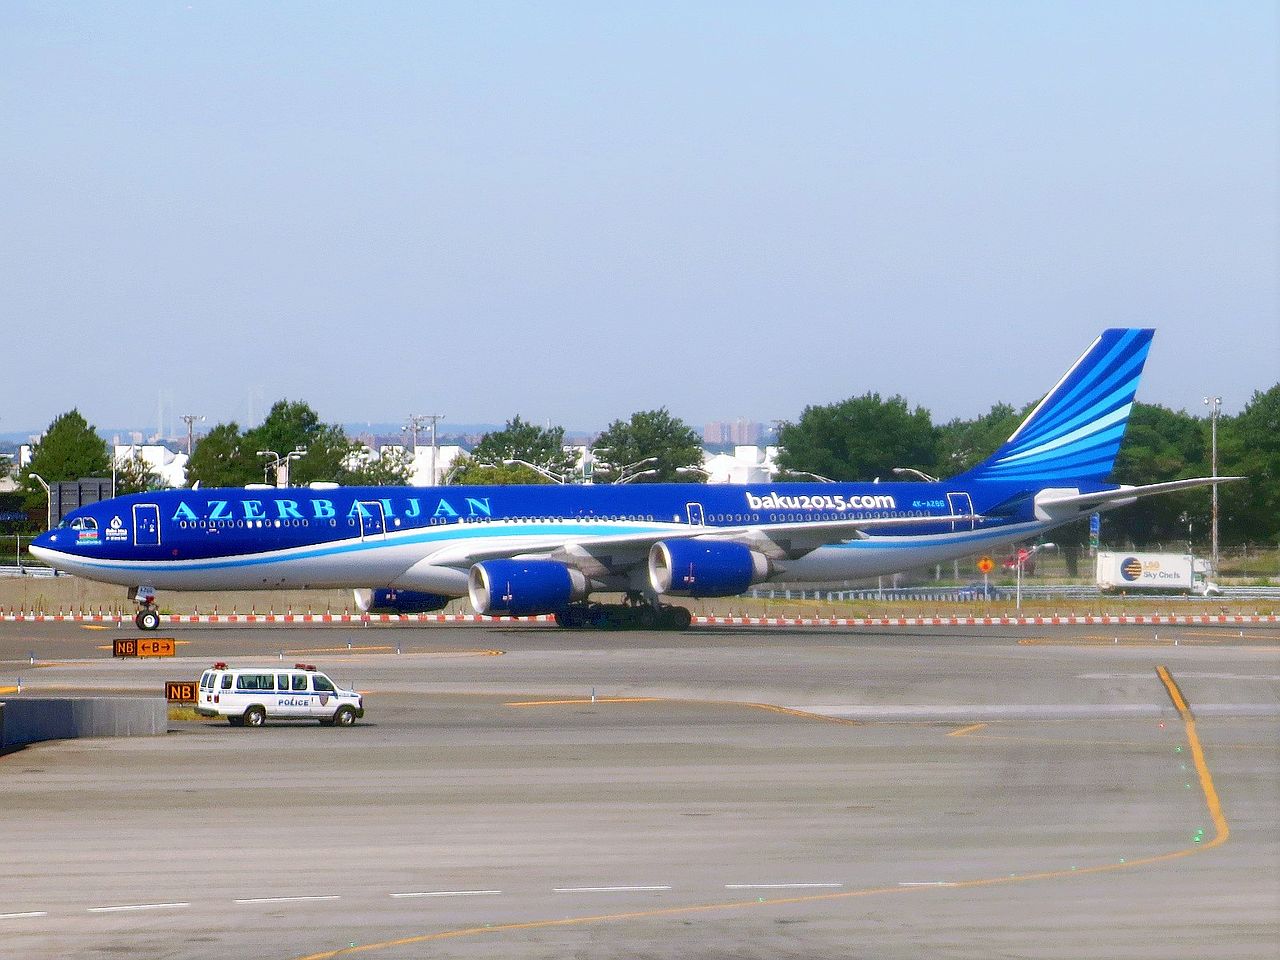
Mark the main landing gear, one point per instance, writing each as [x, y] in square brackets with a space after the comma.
[147, 617]
[634, 614]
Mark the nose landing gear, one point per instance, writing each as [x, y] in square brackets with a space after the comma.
[147, 617]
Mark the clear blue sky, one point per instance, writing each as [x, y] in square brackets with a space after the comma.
[578, 210]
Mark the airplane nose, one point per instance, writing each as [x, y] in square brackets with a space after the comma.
[43, 546]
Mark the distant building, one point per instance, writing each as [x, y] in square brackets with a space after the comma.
[170, 467]
[747, 464]
[740, 432]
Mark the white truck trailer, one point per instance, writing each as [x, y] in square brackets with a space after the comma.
[1171, 572]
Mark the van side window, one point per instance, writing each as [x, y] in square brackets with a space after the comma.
[255, 681]
[226, 681]
[282, 681]
[321, 684]
[300, 681]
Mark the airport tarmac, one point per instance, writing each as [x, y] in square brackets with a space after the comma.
[961, 792]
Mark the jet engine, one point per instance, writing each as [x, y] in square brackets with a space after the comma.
[524, 588]
[388, 600]
[705, 568]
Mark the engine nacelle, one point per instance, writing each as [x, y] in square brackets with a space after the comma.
[388, 600]
[524, 588]
[705, 568]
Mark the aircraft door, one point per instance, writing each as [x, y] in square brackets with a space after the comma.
[696, 517]
[961, 504]
[373, 522]
[146, 525]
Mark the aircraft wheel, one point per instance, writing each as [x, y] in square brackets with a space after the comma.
[147, 620]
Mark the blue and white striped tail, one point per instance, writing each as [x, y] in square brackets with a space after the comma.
[1074, 433]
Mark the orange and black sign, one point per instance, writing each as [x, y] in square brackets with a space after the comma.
[145, 647]
[180, 691]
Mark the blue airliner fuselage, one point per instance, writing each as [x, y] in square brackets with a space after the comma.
[546, 549]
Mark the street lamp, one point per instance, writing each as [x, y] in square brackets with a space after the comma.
[1021, 557]
[624, 476]
[512, 462]
[705, 473]
[805, 473]
[281, 464]
[1215, 410]
[48, 494]
[912, 471]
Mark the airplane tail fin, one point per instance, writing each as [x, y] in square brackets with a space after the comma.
[1074, 433]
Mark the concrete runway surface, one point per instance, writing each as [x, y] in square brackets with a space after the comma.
[740, 793]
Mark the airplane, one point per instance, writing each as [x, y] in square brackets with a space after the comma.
[533, 550]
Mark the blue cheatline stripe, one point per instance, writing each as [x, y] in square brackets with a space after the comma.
[440, 534]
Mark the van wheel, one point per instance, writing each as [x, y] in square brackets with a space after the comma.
[345, 717]
[254, 717]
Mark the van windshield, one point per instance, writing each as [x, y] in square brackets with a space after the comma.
[321, 683]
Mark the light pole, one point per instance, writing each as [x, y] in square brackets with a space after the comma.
[415, 423]
[48, 494]
[281, 464]
[1215, 409]
[805, 473]
[706, 474]
[190, 419]
[512, 462]
[912, 471]
[625, 476]
[1021, 557]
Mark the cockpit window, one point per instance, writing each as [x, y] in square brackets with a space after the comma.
[84, 523]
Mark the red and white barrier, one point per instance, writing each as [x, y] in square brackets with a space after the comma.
[379, 619]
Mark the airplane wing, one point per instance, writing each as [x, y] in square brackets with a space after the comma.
[1051, 504]
[616, 552]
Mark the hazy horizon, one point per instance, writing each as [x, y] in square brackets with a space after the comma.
[575, 211]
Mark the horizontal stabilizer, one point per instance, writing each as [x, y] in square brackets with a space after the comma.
[1053, 502]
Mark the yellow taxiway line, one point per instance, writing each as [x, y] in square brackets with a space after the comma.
[1221, 833]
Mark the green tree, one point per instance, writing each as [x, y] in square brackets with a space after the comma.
[219, 459]
[226, 457]
[650, 440]
[858, 439]
[467, 469]
[134, 475]
[1160, 444]
[70, 449]
[521, 440]
[963, 444]
[393, 467]
[1249, 446]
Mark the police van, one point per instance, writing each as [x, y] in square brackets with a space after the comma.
[249, 696]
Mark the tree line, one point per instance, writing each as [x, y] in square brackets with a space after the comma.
[860, 438]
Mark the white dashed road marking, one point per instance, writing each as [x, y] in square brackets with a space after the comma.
[283, 899]
[24, 916]
[450, 893]
[130, 907]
